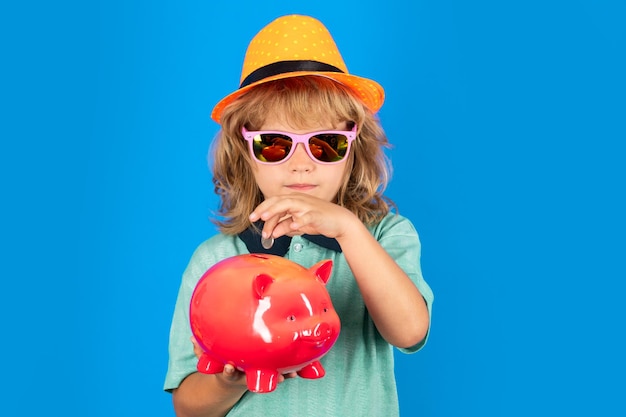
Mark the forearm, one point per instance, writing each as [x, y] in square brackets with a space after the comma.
[393, 301]
[202, 395]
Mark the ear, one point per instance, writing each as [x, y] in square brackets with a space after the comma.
[260, 284]
[322, 270]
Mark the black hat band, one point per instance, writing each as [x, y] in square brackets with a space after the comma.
[283, 67]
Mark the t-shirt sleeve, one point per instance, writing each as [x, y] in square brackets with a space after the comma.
[182, 360]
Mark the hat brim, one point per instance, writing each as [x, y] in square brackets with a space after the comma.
[369, 91]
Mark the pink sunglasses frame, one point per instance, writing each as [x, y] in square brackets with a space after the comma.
[249, 135]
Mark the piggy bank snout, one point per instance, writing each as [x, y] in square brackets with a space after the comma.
[322, 331]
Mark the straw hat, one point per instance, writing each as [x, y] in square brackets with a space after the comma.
[293, 46]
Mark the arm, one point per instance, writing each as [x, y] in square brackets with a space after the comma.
[392, 299]
[202, 395]
[212, 395]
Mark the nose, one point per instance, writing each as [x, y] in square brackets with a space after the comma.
[300, 161]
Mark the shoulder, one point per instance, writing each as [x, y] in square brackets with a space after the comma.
[209, 252]
[219, 245]
[393, 224]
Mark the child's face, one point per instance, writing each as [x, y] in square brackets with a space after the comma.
[300, 173]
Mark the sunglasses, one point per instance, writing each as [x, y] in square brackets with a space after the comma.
[325, 147]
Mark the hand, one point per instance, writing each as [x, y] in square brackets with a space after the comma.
[230, 375]
[300, 213]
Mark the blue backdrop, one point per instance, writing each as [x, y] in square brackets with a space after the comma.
[508, 120]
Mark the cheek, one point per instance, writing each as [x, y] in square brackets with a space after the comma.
[267, 178]
[336, 176]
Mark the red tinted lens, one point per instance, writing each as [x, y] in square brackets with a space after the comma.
[330, 147]
[271, 147]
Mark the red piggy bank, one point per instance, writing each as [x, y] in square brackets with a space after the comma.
[266, 315]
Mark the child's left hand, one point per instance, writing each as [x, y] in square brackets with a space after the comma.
[295, 214]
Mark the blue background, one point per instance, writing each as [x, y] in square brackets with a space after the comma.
[508, 120]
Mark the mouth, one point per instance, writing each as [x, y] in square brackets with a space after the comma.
[317, 343]
[300, 187]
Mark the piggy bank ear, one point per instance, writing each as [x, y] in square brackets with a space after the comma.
[322, 269]
[260, 284]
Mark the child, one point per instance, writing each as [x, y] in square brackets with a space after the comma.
[299, 162]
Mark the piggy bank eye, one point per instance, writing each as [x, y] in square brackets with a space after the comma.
[325, 309]
[291, 318]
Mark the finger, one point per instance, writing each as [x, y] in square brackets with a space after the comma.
[232, 374]
[197, 350]
[298, 221]
[304, 222]
[276, 210]
[269, 227]
[283, 227]
[262, 211]
[277, 206]
[229, 370]
[289, 375]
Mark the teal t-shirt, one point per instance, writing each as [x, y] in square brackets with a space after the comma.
[359, 378]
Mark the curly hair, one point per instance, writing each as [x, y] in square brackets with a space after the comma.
[303, 102]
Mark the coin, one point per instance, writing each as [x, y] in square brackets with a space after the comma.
[267, 243]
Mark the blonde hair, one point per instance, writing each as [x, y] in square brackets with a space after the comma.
[303, 102]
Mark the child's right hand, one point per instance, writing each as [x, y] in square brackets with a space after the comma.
[300, 213]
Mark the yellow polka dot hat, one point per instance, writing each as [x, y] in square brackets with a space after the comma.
[293, 46]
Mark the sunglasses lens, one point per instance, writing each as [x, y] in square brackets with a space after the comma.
[331, 147]
[271, 147]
